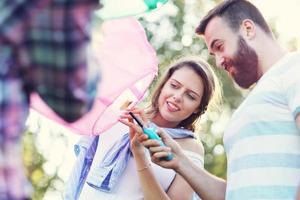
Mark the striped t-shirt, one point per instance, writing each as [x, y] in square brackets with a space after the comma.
[262, 140]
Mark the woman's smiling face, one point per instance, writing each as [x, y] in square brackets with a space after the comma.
[180, 97]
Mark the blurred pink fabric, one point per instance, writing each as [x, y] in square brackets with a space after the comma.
[128, 65]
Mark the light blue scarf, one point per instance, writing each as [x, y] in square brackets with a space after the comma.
[106, 175]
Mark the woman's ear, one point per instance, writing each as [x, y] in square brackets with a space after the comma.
[196, 111]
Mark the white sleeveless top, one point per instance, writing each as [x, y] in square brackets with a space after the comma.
[128, 187]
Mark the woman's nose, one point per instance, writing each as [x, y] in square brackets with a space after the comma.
[177, 96]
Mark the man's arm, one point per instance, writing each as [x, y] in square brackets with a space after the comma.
[206, 185]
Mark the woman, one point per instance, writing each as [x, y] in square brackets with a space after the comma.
[122, 169]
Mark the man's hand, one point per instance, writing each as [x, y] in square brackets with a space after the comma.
[159, 152]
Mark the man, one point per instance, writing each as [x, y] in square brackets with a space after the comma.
[42, 49]
[262, 140]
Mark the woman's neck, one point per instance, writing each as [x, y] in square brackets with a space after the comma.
[161, 122]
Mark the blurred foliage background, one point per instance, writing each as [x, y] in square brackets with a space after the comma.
[170, 30]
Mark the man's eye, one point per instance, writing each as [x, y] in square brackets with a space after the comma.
[219, 47]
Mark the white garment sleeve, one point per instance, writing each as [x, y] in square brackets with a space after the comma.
[291, 82]
[196, 158]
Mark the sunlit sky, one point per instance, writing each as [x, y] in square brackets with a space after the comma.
[285, 15]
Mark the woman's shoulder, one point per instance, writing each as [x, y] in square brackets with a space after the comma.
[191, 144]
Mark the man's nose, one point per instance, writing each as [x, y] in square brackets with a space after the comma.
[219, 60]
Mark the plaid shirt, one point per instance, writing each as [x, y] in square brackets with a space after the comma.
[42, 49]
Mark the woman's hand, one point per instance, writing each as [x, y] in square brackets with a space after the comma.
[135, 130]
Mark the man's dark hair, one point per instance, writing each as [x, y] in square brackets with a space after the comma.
[234, 12]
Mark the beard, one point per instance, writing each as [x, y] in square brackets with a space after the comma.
[245, 62]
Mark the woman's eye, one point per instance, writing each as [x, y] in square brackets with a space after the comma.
[190, 96]
[173, 85]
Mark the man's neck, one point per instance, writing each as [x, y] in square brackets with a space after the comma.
[270, 54]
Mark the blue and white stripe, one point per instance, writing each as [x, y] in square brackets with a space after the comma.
[262, 140]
